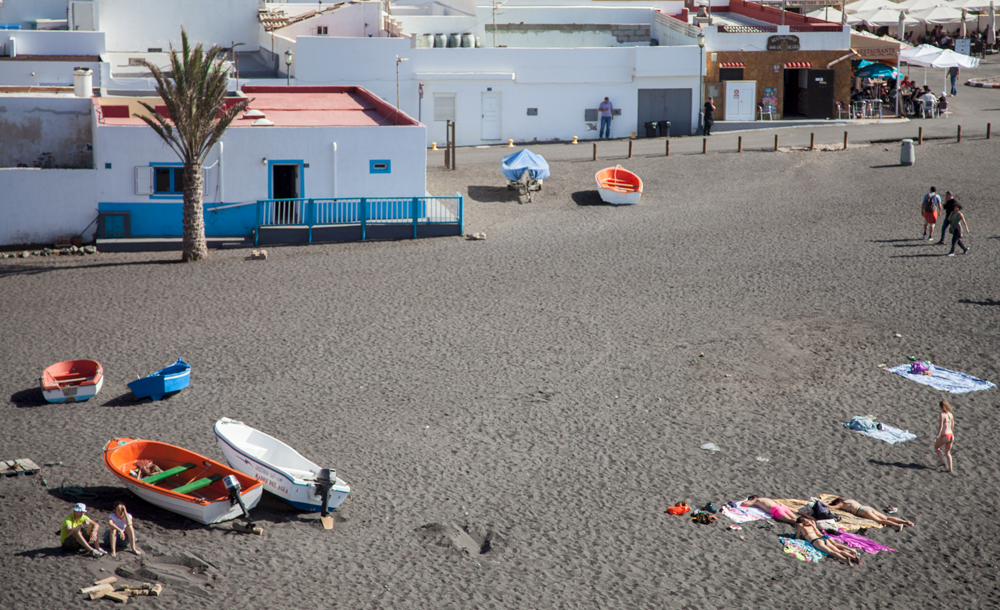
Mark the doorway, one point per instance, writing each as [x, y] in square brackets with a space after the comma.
[491, 116]
[673, 105]
[286, 183]
[795, 85]
[821, 94]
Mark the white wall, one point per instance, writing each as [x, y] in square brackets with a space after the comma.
[39, 205]
[560, 83]
[44, 73]
[138, 25]
[808, 41]
[245, 177]
[420, 24]
[26, 11]
[55, 42]
[361, 19]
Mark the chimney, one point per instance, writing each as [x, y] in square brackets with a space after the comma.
[83, 82]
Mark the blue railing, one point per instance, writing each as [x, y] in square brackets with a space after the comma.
[359, 211]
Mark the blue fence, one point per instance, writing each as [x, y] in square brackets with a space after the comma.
[361, 218]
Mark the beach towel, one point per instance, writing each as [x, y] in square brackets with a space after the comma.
[887, 433]
[742, 514]
[847, 521]
[800, 549]
[943, 379]
[860, 542]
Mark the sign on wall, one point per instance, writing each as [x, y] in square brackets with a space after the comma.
[783, 42]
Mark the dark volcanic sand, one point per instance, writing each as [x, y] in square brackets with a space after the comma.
[549, 388]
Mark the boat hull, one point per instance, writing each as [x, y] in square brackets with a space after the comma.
[72, 381]
[173, 378]
[618, 186]
[207, 504]
[293, 482]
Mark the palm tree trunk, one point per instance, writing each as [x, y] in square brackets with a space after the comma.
[194, 246]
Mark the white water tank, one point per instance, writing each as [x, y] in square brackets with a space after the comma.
[428, 40]
[468, 41]
[83, 82]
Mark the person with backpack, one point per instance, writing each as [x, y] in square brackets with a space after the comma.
[956, 220]
[929, 208]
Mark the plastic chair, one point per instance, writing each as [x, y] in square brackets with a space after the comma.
[767, 109]
[841, 111]
[928, 108]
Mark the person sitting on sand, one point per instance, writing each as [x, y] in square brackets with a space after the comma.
[867, 512]
[121, 528]
[779, 512]
[79, 531]
[806, 529]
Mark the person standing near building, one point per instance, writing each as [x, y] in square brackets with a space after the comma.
[953, 75]
[607, 114]
[929, 208]
[709, 116]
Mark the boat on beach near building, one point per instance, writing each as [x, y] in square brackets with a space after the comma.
[618, 186]
[284, 472]
[173, 378]
[72, 381]
[179, 480]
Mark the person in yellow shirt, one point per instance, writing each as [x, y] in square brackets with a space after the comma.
[79, 531]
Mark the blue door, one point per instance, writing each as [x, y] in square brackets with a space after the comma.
[114, 226]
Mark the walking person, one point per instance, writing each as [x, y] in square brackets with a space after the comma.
[957, 220]
[953, 75]
[948, 208]
[607, 114]
[709, 116]
[929, 208]
[945, 435]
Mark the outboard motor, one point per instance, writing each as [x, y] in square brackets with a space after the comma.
[233, 487]
[324, 483]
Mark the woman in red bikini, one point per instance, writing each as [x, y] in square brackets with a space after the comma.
[946, 435]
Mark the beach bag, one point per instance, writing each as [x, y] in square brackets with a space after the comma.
[920, 368]
[822, 512]
[703, 518]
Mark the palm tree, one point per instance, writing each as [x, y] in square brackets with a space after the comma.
[194, 95]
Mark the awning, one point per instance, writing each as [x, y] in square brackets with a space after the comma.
[798, 64]
[875, 48]
[732, 64]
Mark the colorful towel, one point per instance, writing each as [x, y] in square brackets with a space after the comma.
[800, 549]
[860, 542]
[847, 521]
[943, 379]
[742, 514]
[887, 433]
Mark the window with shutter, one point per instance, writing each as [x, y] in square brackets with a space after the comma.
[444, 106]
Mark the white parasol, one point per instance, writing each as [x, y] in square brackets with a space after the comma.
[868, 5]
[991, 37]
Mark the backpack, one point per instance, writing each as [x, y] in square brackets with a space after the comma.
[930, 202]
[821, 511]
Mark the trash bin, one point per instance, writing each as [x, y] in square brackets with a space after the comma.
[650, 129]
[906, 154]
[664, 128]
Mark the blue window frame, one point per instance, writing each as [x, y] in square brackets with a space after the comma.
[380, 166]
[168, 180]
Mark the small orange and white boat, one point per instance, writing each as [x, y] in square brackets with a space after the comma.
[182, 481]
[72, 381]
[618, 186]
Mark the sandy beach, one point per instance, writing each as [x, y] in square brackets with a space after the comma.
[547, 388]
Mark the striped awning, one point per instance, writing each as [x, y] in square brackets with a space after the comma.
[798, 64]
[732, 64]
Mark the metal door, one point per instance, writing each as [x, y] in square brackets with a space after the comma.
[672, 105]
[820, 104]
[741, 100]
[491, 116]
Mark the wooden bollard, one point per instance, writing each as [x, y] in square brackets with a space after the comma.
[812, 141]
[920, 136]
[630, 149]
[595, 151]
[668, 146]
[988, 126]
[845, 140]
[739, 145]
[704, 146]
[959, 133]
[775, 142]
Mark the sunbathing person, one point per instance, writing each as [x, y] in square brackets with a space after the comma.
[867, 512]
[805, 528]
[779, 512]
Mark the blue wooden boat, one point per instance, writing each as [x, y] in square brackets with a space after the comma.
[173, 378]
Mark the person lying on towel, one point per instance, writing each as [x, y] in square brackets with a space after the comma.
[867, 512]
[779, 512]
[805, 529]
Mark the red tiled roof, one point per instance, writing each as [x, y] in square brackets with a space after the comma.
[732, 64]
[798, 64]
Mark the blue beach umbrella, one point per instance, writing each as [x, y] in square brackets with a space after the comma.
[878, 71]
